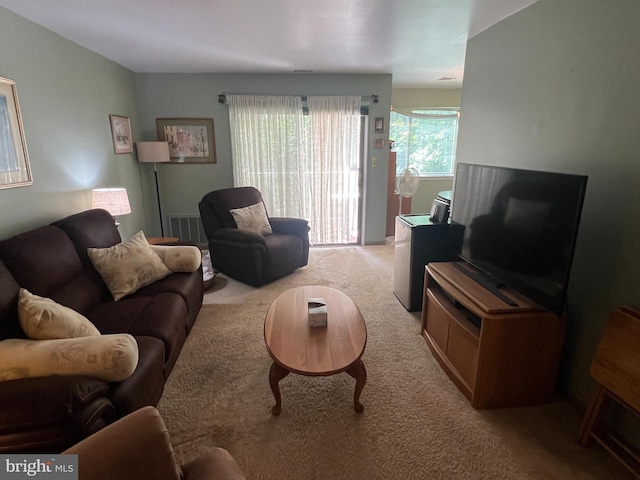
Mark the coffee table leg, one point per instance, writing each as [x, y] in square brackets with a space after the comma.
[358, 372]
[276, 374]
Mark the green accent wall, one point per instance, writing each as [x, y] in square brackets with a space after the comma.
[182, 186]
[66, 94]
[555, 87]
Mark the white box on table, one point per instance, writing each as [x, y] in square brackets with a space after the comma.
[317, 312]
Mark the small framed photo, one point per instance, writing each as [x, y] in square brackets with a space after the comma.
[378, 143]
[378, 125]
[14, 160]
[121, 133]
[191, 140]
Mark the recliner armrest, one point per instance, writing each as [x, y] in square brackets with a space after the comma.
[236, 235]
[295, 226]
[138, 447]
[135, 446]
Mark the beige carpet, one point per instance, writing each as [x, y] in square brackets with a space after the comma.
[416, 424]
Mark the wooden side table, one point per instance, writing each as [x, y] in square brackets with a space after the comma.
[616, 369]
[162, 240]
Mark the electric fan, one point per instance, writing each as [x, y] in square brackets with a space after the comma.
[407, 184]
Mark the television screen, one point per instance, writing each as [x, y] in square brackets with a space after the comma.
[519, 227]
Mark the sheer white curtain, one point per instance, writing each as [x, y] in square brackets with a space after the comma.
[268, 149]
[305, 166]
[334, 168]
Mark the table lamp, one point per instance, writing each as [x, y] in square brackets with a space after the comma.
[154, 152]
[113, 200]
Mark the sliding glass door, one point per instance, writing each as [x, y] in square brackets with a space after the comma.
[305, 165]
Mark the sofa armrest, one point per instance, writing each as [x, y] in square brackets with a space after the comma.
[236, 236]
[295, 226]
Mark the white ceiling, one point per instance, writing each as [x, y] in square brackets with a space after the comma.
[421, 42]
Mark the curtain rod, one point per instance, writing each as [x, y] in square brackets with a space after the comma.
[222, 98]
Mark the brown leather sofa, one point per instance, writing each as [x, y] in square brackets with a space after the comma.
[138, 447]
[249, 257]
[50, 413]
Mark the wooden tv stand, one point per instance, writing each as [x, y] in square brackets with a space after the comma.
[498, 355]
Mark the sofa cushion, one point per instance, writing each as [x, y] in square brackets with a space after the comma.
[107, 357]
[179, 258]
[41, 318]
[188, 285]
[163, 316]
[127, 266]
[252, 218]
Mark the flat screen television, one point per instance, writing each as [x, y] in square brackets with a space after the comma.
[519, 228]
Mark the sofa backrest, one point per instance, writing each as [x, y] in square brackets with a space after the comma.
[52, 262]
[9, 326]
[92, 228]
[41, 259]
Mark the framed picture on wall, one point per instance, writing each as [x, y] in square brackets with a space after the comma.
[121, 133]
[378, 143]
[378, 125]
[14, 160]
[191, 140]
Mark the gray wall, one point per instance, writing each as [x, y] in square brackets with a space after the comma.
[555, 87]
[66, 94]
[196, 95]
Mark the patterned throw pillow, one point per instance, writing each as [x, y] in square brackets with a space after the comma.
[42, 318]
[252, 218]
[179, 258]
[111, 358]
[128, 266]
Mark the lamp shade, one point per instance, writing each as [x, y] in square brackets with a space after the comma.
[156, 152]
[113, 200]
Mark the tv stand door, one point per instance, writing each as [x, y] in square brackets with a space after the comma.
[498, 355]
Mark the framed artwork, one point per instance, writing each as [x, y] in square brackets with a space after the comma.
[378, 125]
[378, 143]
[121, 133]
[14, 160]
[191, 140]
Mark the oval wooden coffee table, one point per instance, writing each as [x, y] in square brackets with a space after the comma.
[316, 351]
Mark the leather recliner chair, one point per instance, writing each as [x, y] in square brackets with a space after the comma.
[137, 446]
[249, 257]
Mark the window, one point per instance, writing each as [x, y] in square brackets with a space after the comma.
[425, 139]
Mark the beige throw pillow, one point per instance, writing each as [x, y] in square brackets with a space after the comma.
[111, 358]
[128, 266]
[252, 218]
[179, 258]
[42, 318]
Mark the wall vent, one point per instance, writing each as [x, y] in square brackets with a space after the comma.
[188, 228]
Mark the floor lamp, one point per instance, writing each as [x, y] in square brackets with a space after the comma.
[154, 152]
